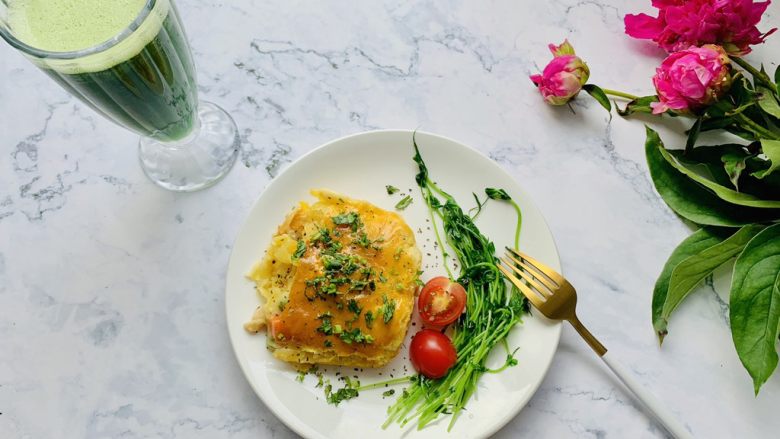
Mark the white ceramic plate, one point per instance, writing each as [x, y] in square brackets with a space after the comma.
[360, 166]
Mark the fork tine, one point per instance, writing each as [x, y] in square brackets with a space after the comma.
[542, 290]
[552, 286]
[542, 268]
[530, 295]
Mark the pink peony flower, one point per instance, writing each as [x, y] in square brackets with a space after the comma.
[691, 79]
[563, 77]
[684, 23]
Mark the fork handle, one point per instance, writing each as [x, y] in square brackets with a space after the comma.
[662, 414]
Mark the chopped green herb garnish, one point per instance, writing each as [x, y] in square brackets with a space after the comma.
[387, 309]
[353, 307]
[391, 189]
[328, 343]
[387, 393]
[369, 316]
[405, 201]
[322, 237]
[349, 391]
[326, 327]
[348, 219]
[360, 285]
[301, 376]
[357, 336]
[282, 303]
[300, 250]
[363, 240]
[382, 278]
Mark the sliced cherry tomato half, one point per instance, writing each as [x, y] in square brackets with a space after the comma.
[432, 353]
[441, 302]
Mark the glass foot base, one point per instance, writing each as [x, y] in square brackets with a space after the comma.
[195, 162]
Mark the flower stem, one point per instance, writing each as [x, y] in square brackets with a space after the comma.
[619, 94]
[757, 129]
[758, 75]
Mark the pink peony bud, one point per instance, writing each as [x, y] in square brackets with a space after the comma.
[691, 79]
[563, 77]
[684, 23]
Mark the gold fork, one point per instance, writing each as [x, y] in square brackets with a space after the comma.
[556, 298]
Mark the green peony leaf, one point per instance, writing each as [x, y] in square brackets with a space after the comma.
[691, 271]
[599, 95]
[768, 102]
[699, 241]
[715, 159]
[689, 199]
[639, 105]
[724, 193]
[734, 164]
[771, 149]
[777, 79]
[755, 304]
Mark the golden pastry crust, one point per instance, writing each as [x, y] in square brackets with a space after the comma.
[328, 266]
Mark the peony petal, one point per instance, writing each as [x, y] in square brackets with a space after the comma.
[643, 26]
[564, 48]
[658, 107]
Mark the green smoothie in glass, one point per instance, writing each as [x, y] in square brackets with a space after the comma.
[145, 82]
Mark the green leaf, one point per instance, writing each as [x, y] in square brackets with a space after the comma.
[639, 105]
[777, 79]
[404, 203]
[716, 123]
[599, 95]
[699, 241]
[713, 158]
[768, 102]
[300, 249]
[771, 149]
[693, 269]
[755, 304]
[496, 194]
[724, 193]
[689, 199]
[734, 164]
[742, 91]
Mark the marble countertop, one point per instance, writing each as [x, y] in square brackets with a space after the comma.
[112, 315]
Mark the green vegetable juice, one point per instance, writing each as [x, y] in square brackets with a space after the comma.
[144, 81]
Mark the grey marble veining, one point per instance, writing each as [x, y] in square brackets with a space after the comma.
[111, 290]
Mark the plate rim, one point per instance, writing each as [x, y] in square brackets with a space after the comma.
[294, 424]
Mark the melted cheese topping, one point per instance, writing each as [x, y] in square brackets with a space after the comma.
[383, 248]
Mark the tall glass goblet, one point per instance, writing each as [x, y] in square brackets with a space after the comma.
[129, 60]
